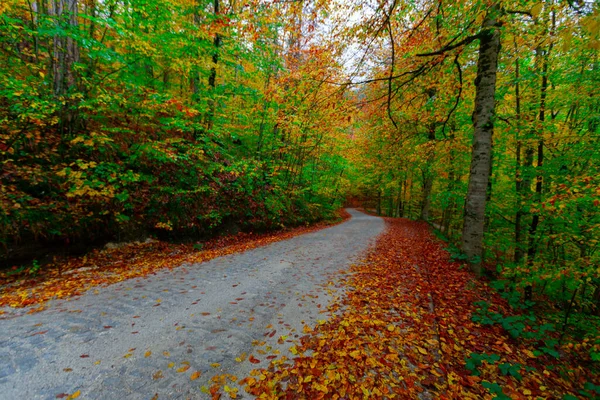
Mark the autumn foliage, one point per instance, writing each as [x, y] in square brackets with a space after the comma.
[405, 329]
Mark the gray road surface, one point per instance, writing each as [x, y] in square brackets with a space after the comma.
[129, 340]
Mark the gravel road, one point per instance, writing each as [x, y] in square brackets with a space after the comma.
[146, 337]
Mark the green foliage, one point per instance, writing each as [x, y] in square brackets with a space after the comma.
[513, 370]
[495, 389]
[590, 391]
[129, 137]
[523, 326]
[474, 361]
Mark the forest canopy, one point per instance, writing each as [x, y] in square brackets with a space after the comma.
[122, 118]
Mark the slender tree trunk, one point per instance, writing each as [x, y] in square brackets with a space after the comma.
[212, 78]
[532, 248]
[519, 253]
[452, 182]
[427, 175]
[65, 53]
[483, 124]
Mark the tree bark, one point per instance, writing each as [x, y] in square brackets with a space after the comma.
[519, 253]
[532, 248]
[212, 78]
[65, 53]
[427, 175]
[483, 124]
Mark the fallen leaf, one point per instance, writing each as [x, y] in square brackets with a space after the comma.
[74, 395]
[157, 375]
[183, 368]
[195, 376]
[253, 359]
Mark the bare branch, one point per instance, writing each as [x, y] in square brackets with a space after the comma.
[449, 46]
[458, 68]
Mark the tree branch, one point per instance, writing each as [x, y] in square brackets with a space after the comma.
[458, 68]
[450, 46]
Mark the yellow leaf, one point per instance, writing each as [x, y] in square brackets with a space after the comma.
[527, 392]
[127, 355]
[529, 353]
[97, 362]
[147, 354]
[171, 365]
[183, 368]
[195, 376]
[166, 353]
[421, 350]
[390, 328]
[74, 395]
[215, 365]
[355, 354]
[536, 9]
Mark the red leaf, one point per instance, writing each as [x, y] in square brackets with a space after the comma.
[253, 359]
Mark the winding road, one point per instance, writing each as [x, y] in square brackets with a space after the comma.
[146, 338]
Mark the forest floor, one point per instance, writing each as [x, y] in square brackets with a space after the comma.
[404, 329]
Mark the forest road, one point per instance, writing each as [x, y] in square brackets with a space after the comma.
[146, 338]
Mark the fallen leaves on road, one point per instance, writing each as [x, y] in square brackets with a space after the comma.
[75, 275]
[404, 330]
[195, 375]
[183, 368]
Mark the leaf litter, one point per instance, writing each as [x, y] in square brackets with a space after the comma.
[404, 330]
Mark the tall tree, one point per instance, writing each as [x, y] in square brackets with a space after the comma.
[483, 125]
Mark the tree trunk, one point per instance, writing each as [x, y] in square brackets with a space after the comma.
[427, 175]
[212, 78]
[65, 53]
[532, 248]
[519, 253]
[485, 84]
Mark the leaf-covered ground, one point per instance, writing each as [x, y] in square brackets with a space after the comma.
[404, 330]
[73, 276]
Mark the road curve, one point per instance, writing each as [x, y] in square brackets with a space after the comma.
[146, 337]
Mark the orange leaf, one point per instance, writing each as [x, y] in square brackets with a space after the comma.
[195, 376]
[183, 368]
